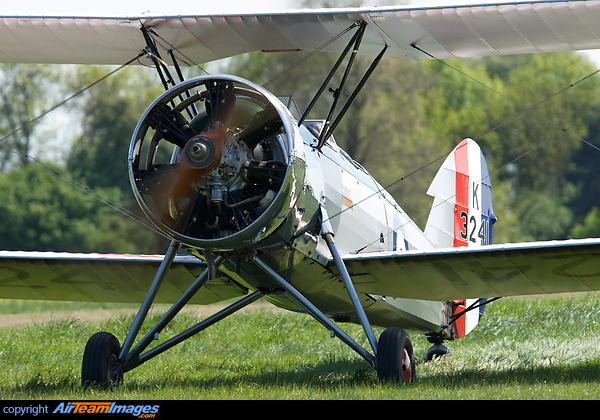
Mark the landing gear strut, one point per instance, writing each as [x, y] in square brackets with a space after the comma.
[105, 360]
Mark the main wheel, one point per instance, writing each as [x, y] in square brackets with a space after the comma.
[100, 365]
[395, 357]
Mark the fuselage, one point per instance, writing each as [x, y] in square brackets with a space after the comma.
[364, 218]
[245, 178]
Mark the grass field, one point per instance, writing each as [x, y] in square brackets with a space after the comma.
[526, 348]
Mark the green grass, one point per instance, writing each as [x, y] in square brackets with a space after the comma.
[546, 348]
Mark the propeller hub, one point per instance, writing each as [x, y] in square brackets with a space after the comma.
[200, 152]
[203, 151]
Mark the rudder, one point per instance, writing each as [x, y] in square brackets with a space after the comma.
[462, 213]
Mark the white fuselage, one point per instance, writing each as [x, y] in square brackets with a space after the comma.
[364, 218]
[363, 215]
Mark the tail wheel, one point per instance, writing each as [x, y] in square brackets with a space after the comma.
[100, 366]
[395, 357]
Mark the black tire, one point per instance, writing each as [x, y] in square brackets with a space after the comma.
[395, 357]
[100, 366]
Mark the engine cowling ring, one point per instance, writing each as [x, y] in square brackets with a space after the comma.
[232, 171]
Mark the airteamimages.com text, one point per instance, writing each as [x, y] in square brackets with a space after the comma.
[112, 408]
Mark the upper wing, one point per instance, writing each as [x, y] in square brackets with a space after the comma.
[443, 32]
[488, 271]
[104, 278]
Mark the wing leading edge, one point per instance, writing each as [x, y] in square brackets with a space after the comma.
[489, 271]
[443, 32]
[104, 278]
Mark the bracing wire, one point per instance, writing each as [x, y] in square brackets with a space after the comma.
[135, 217]
[308, 56]
[60, 175]
[71, 97]
[63, 177]
[524, 110]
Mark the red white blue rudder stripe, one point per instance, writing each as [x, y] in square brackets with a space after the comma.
[462, 213]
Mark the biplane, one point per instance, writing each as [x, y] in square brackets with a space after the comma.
[259, 201]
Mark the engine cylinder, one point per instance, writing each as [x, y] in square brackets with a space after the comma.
[214, 163]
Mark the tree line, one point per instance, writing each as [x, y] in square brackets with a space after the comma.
[534, 116]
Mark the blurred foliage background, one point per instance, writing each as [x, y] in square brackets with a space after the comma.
[535, 117]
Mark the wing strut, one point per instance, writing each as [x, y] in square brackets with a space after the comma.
[332, 72]
[334, 124]
[162, 68]
[152, 51]
[326, 131]
[354, 43]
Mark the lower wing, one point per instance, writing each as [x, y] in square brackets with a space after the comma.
[488, 271]
[105, 278]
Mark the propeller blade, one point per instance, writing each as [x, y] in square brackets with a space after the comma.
[171, 124]
[157, 181]
[220, 102]
[170, 190]
[264, 124]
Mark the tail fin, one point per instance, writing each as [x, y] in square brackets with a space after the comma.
[462, 215]
[462, 212]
